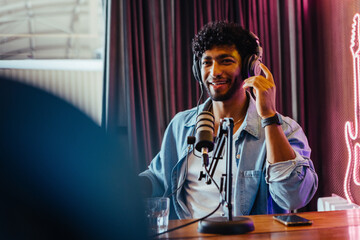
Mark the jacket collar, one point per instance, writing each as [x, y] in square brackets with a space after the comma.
[252, 118]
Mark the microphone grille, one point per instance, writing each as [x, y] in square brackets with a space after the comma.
[204, 131]
[205, 121]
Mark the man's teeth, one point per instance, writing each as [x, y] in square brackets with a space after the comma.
[217, 83]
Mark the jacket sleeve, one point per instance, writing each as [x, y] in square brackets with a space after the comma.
[153, 173]
[160, 168]
[293, 183]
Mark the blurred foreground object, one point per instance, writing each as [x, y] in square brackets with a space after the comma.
[61, 176]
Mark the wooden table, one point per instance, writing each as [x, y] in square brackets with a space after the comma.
[329, 225]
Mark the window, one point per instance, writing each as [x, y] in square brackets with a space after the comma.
[56, 45]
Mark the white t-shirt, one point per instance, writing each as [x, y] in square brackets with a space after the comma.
[201, 198]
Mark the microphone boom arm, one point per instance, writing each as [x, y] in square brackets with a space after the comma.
[225, 136]
[219, 146]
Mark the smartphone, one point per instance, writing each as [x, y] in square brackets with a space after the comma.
[292, 220]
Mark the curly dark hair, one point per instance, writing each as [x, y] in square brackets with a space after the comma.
[222, 33]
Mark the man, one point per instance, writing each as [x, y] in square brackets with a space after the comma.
[272, 170]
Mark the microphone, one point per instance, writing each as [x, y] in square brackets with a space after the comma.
[204, 132]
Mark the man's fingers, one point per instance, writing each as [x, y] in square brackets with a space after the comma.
[257, 82]
[267, 72]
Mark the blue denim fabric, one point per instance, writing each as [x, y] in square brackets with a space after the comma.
[260, 187]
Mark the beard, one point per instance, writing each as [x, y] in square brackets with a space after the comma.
[234, 86]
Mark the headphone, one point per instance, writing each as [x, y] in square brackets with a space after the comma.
[250, 65]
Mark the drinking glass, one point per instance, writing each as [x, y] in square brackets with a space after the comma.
[157, 214]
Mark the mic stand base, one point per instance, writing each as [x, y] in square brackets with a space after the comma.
[221, 225]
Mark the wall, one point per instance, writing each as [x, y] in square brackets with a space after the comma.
[334, 99]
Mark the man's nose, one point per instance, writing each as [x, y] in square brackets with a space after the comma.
[216, 70]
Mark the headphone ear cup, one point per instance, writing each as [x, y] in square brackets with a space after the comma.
[253, 66]
[196, 69]
[253, 62]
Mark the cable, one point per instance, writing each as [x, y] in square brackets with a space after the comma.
[198, 102]
[185, 173]
[192, 133]
[187, 224]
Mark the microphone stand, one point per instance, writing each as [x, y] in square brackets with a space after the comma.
[227, 224]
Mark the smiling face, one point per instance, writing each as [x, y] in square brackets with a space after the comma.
[221, 72]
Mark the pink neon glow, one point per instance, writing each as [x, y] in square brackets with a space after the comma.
[352, 129]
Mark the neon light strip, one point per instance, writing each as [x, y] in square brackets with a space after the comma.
[352, 129]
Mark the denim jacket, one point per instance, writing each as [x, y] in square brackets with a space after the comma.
[260, 187]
